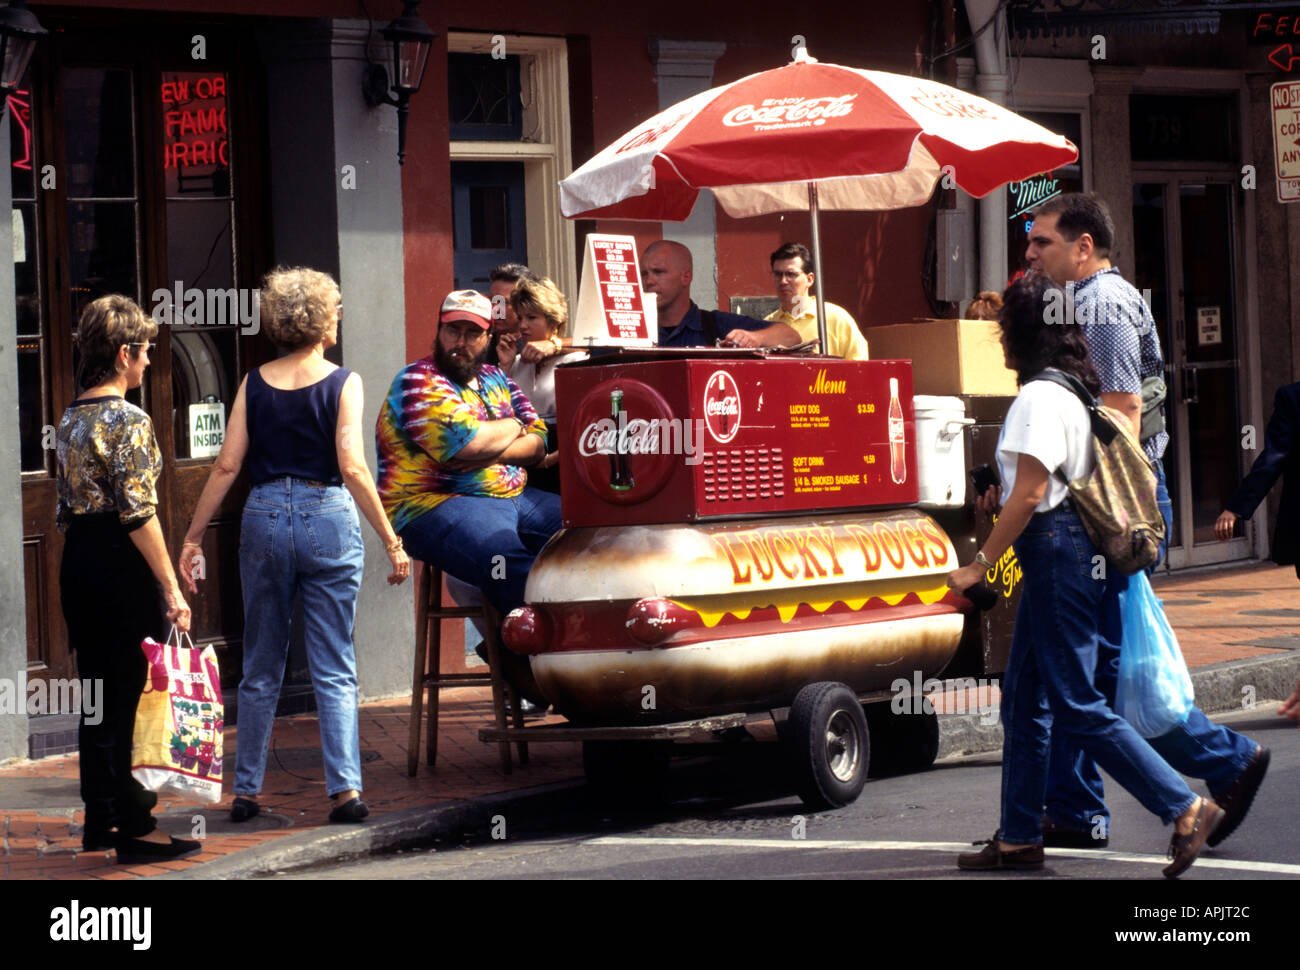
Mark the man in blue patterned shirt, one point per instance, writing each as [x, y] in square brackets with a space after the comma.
[1070, 240]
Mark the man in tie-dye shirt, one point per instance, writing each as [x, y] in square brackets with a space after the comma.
[454, 436]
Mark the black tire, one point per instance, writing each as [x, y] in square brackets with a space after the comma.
[829, 745]
[625, 769]
[901, 743]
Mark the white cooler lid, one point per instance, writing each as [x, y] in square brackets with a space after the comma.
[933, 402]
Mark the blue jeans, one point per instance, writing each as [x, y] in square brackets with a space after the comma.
[1198, 747]
[487, 542]
[300, 540]
[1049, 689]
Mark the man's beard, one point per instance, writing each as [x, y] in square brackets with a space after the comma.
[461, 370]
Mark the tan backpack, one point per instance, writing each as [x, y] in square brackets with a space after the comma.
[1116, 501]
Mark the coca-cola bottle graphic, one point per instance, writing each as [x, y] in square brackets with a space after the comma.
[897, 446]
[620, 472]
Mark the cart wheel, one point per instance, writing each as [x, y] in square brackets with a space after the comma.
[903, 743]
[829, 745]
[625, 768]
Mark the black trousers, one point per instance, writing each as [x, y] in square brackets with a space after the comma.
[111, 602]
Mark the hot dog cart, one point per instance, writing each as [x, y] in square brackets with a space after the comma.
[746, 535]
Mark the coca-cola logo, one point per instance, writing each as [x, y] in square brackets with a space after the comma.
[789, 112]
[635, 437]
[722, 406]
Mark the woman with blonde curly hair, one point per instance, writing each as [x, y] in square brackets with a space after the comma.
[298, 421]
[116, 581]
[543, 314]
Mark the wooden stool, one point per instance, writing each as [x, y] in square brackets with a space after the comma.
[428, 675]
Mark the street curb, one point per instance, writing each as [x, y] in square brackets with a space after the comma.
[1219, 688]
[399, 830]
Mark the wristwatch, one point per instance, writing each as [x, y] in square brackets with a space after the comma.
[557, 343]
[983, 560]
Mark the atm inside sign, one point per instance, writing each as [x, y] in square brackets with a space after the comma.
[1286, 139]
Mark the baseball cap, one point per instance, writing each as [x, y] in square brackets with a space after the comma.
[467, 305]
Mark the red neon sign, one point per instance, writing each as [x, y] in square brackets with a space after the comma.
[194, 122]
[20, 109]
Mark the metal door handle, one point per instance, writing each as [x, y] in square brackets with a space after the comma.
[1191, 386]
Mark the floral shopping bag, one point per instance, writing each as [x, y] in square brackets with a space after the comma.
[178, 725]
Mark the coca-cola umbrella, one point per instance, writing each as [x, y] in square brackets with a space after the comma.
[811, 136]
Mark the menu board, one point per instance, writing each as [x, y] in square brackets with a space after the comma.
[612, 307]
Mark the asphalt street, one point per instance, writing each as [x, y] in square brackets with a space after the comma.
[735, 817]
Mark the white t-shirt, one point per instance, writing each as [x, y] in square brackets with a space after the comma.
[537, 381]
[1050, 423]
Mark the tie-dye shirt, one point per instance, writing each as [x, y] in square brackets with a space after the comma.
[426, 419]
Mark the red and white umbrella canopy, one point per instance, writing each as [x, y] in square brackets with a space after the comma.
[869, 139]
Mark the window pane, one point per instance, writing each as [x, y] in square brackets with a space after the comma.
[101, 246]
[196, 148]
[489, 226]
[483, 97]
[31, 405]
[206, 311]
[203, 372]
[27, 298]
[98, 123]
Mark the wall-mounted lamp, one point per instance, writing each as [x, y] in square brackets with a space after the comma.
[409, 40]
[19, 32]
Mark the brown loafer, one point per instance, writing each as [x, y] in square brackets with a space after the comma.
[1183, 849]
[1235, 802]
[991, 857]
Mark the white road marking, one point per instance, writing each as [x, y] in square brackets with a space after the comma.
[1204, 862]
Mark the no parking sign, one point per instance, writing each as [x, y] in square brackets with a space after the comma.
[1285, 98]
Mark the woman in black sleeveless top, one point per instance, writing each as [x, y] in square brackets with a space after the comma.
[298, 422]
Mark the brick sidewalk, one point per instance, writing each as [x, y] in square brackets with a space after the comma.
[47, 845]
[1219, 616]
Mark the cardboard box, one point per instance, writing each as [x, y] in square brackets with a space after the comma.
[948, 356]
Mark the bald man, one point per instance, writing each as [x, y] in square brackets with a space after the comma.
[666, 271]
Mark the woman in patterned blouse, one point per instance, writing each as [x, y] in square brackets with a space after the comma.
[116, 580]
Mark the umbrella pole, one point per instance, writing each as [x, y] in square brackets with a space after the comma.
[822, 346]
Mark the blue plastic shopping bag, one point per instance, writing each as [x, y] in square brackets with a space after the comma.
[1155, 690]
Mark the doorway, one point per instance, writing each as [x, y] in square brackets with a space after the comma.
[1185, 247]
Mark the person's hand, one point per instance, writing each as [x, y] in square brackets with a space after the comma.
[1291, 706]
[401, 563]
[741, 338]
[191, 562]
[1224, 524]
[178, 611]
[507, 347]
[967, 576]
[990, 503]
[550, 461]
[536, 351]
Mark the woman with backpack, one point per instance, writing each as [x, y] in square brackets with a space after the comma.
[1048, 684]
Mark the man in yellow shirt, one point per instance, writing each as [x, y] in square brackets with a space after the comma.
[792, 269]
